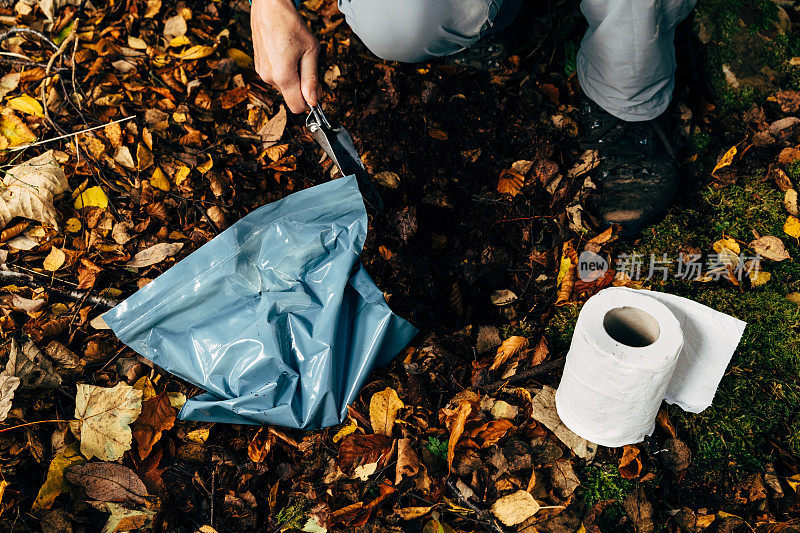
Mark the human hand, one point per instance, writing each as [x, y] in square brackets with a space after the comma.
[286, 54]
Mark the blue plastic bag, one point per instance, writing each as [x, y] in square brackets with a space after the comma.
[275, 318]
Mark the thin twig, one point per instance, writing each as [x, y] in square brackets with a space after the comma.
[538, 370]
[8, 275]
[67, 135]
[72, 35]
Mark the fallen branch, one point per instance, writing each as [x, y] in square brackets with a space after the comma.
[538, 370]
[10, 276]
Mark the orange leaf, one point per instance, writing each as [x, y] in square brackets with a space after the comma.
[456, 430]
[510, 346]
[260, 446]
[157, 416]
[630, 466]
[510, 182]
[491, 432]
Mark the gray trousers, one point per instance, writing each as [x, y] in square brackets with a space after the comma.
[626, 62]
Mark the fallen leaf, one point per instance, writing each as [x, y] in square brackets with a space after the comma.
[588, 161]
[154, 254]
[790, 202]
[510, 182]
[198, 51]
[771, 248]
[544, 411]
[55, 483]
[725, 160]
[567, 271]
[388, 179]
[412, 513]
[102, 420]
[502, 297]
[14, 130]
[331, 76]
[8, 83]
[123, 518]
[491, 432]
[31, 366]
[383, 407]
[8, 384]
[792, 227]
[92, 197]
[351, 427]
[407, 461]
[515, 508]
[173, 26]
[241, 58]
[509, 347]
[357, 449]
[630, 466]
[261, 444]
[54, 260]
[107, 482]
[272, 131]
[156, 417]
[30, 189]
[146, 387]
[26, 104]
[563, 477]
[456, 427]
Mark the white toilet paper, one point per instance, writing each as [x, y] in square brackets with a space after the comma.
[633, 348]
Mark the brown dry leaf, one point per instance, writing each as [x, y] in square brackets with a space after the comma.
[790, 202]
[630, 466]
[439, 135]
[102, 420]
[274, 153]
[588, 161]
[108, 482]
[383, 407]
[540, 353]
[154, 254]
[272, 131]
[156, 417]
[515, 508]
[261, 444]
[29, 364]
[407, 461]
[357, 449]
[789, 101]
[125, 519]
[456, 426]
[544, 411]
[597, 243]
[388, 179]
[8, 83]
[509, 347]
[412, 513]
[491, 432]
[173, 26]
[8, 384]
[30, 189]
[510, 182]
[770, 247]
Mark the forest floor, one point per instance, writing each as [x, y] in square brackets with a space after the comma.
[483, 181]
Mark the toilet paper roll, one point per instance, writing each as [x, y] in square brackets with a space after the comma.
[631, 349]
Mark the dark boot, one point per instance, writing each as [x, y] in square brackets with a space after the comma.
[637, 175]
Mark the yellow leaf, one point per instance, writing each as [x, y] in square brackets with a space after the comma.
[726, 243]
[794, 481]
[509, 347]
[242, 59]
[159, 180]
[73, 225]
[146, 386]
[102, 418]
[55, 483]
[197, 51]
[277, 151]
[180, 40]
[759, 278]
[792, 226]
[54, 260]
[26, 104]
[92, 197]
[383, 409]
[345, 431]
[181, 175]
[200, 436]
[726, 160]
[202, 168]
[15, 130]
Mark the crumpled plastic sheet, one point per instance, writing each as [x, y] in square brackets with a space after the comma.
[275, 318]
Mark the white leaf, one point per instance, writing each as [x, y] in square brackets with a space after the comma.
[154, 254]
